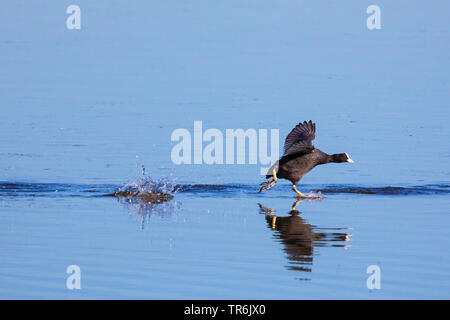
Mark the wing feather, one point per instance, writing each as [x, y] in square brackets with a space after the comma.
[300, 138]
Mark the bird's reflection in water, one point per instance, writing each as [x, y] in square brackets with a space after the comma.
[145, 208]
[299, 237]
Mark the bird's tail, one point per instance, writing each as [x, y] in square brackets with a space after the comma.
[267, 185]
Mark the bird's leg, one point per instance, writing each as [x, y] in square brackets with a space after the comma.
[274, 174]
[298, 192]
[295, 204]
[274, 220]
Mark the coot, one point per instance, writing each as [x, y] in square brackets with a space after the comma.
[299, 157]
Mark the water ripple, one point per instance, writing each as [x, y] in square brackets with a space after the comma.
[162, 186]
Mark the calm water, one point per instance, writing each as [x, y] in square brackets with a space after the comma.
[83, 110]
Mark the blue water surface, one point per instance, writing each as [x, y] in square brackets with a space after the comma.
[84, 110]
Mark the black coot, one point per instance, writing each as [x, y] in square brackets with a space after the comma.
[299, 157]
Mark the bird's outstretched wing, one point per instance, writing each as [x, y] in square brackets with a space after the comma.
[300, 139]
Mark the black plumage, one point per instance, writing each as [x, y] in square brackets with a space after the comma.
[300, 156]
[300, 238]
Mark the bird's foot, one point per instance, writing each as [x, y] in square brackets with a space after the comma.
[267, 186]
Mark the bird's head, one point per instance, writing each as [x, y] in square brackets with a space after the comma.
[342, 157]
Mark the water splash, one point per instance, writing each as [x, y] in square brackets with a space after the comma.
[147, 189]
[312, 196]
[146, 209]
[147, 197]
